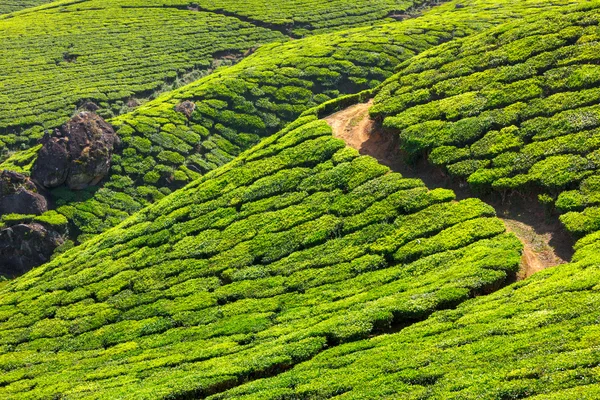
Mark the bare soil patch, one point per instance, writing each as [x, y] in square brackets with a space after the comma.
[545, 242]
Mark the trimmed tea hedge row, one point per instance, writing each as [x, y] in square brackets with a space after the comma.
[234, 109]
[537, 339]
[297, 245]
[515, 108]
[53, 59]
[237, 106]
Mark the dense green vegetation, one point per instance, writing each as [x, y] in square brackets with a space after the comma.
[126, 51]
[536, 339]
[515, 108]
[273, 262]
[115, 53]
[235, 107]
[51, 62]
[8, 6]
[306, 16]
[297, 245]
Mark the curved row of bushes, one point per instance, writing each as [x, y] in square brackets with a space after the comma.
[297, 245]
[515, 108]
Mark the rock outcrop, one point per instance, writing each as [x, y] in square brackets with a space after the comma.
[19, 195]
[78, 154]
[25, 246]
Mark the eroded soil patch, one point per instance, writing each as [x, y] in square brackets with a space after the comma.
[546, 244]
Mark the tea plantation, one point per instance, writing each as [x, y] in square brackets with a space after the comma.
[56, 57]
[238, 250]
[234, 109]
[237, 106]
[51, 62]
[297, 245]
[537, 339]
[515, 109]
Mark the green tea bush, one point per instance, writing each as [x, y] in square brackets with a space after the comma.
[297, 245]
[511, 109]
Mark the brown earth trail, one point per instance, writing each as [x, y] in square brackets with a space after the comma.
[354, 126]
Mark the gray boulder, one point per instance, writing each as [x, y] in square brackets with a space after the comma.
[19, 195]
[78, 154]
[25, 246]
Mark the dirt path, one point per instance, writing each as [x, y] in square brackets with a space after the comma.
[537, 252]
[545, 242]
[354, 126]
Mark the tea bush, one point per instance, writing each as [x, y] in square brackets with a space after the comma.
[297, 245]
[514, 108]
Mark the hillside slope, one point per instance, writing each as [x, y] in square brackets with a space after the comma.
[235, 107]
[52, 62]
[273, 262]
[537, 339]
[116, 53]
[8, 6]
[514, 109]
[297, 245]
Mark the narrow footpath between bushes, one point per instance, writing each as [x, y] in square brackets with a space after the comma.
[545, 242]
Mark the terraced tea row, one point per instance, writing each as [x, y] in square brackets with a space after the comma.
[52, 62]
[536, 339]
[296, 245]
[512, 109]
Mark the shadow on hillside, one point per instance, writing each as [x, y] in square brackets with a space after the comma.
[518, 207]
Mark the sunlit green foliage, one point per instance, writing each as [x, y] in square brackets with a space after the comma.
[292, 255]
[8, 6]
[535, 339]
[54, 59]
[235, 108]
[307, 16]
[297, 245]
[515, 108]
